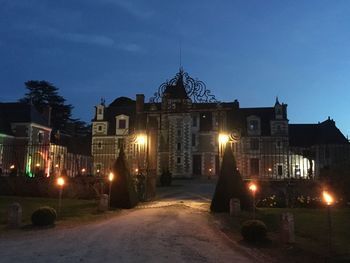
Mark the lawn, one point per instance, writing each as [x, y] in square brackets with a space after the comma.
[311, 228]
[72, 209]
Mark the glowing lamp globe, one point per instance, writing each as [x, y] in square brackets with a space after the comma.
[253, 187]
[110, 177]
[328, 198]
[223, 138]
[60, 181]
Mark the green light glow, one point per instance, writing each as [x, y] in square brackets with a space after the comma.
[28, 167]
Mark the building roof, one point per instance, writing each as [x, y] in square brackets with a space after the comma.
[17, 112]
[306, 135]
[237, 119]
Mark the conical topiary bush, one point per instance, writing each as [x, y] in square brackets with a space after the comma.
[123, 194]
[229, 185]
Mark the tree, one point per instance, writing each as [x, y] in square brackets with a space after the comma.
[229, 185]
[43, 94]
[123, 194]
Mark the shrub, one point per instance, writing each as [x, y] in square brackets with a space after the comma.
[254, 231]
[44, 216]
[229, 185]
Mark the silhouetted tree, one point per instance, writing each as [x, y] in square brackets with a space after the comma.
[43, 94]
[229, 185]
[123, 193]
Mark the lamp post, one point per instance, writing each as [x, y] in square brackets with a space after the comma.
[329, 200]
[223, 140]
[60, 183]
[253, 188]
[110, 179]
[141, 140]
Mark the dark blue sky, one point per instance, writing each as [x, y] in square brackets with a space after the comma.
[246, 50]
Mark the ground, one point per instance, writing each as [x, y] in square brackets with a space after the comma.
[176, 228]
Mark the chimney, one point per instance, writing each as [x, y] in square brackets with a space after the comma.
[140, 101]
[47, 114]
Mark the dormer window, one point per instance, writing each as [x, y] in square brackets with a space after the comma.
[122, 124]
[253, 125]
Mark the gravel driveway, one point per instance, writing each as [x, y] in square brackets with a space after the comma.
[173, 229]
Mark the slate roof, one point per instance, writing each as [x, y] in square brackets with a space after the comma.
[237, 119]
[306, 135]
[15, 112]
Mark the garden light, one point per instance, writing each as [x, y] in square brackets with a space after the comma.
[327, 198]
[60, 181]
[252, 187]
[110, 176]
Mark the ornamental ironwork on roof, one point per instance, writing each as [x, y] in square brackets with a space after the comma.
[182, 86]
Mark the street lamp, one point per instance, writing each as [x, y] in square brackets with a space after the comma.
[60, 183]
[223, 138]
[253, 188]
[329, 200]
[110, 179]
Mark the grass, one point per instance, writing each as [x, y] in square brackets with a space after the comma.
[72, 209]
[311, 228]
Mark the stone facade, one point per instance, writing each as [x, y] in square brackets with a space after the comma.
[180, 127]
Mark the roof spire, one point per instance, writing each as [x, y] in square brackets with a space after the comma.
[277, 102]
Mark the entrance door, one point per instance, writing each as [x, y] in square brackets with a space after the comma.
[197, 165]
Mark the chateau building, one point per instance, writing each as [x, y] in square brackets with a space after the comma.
[184, 129]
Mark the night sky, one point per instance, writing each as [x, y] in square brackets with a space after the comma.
[252, 51]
